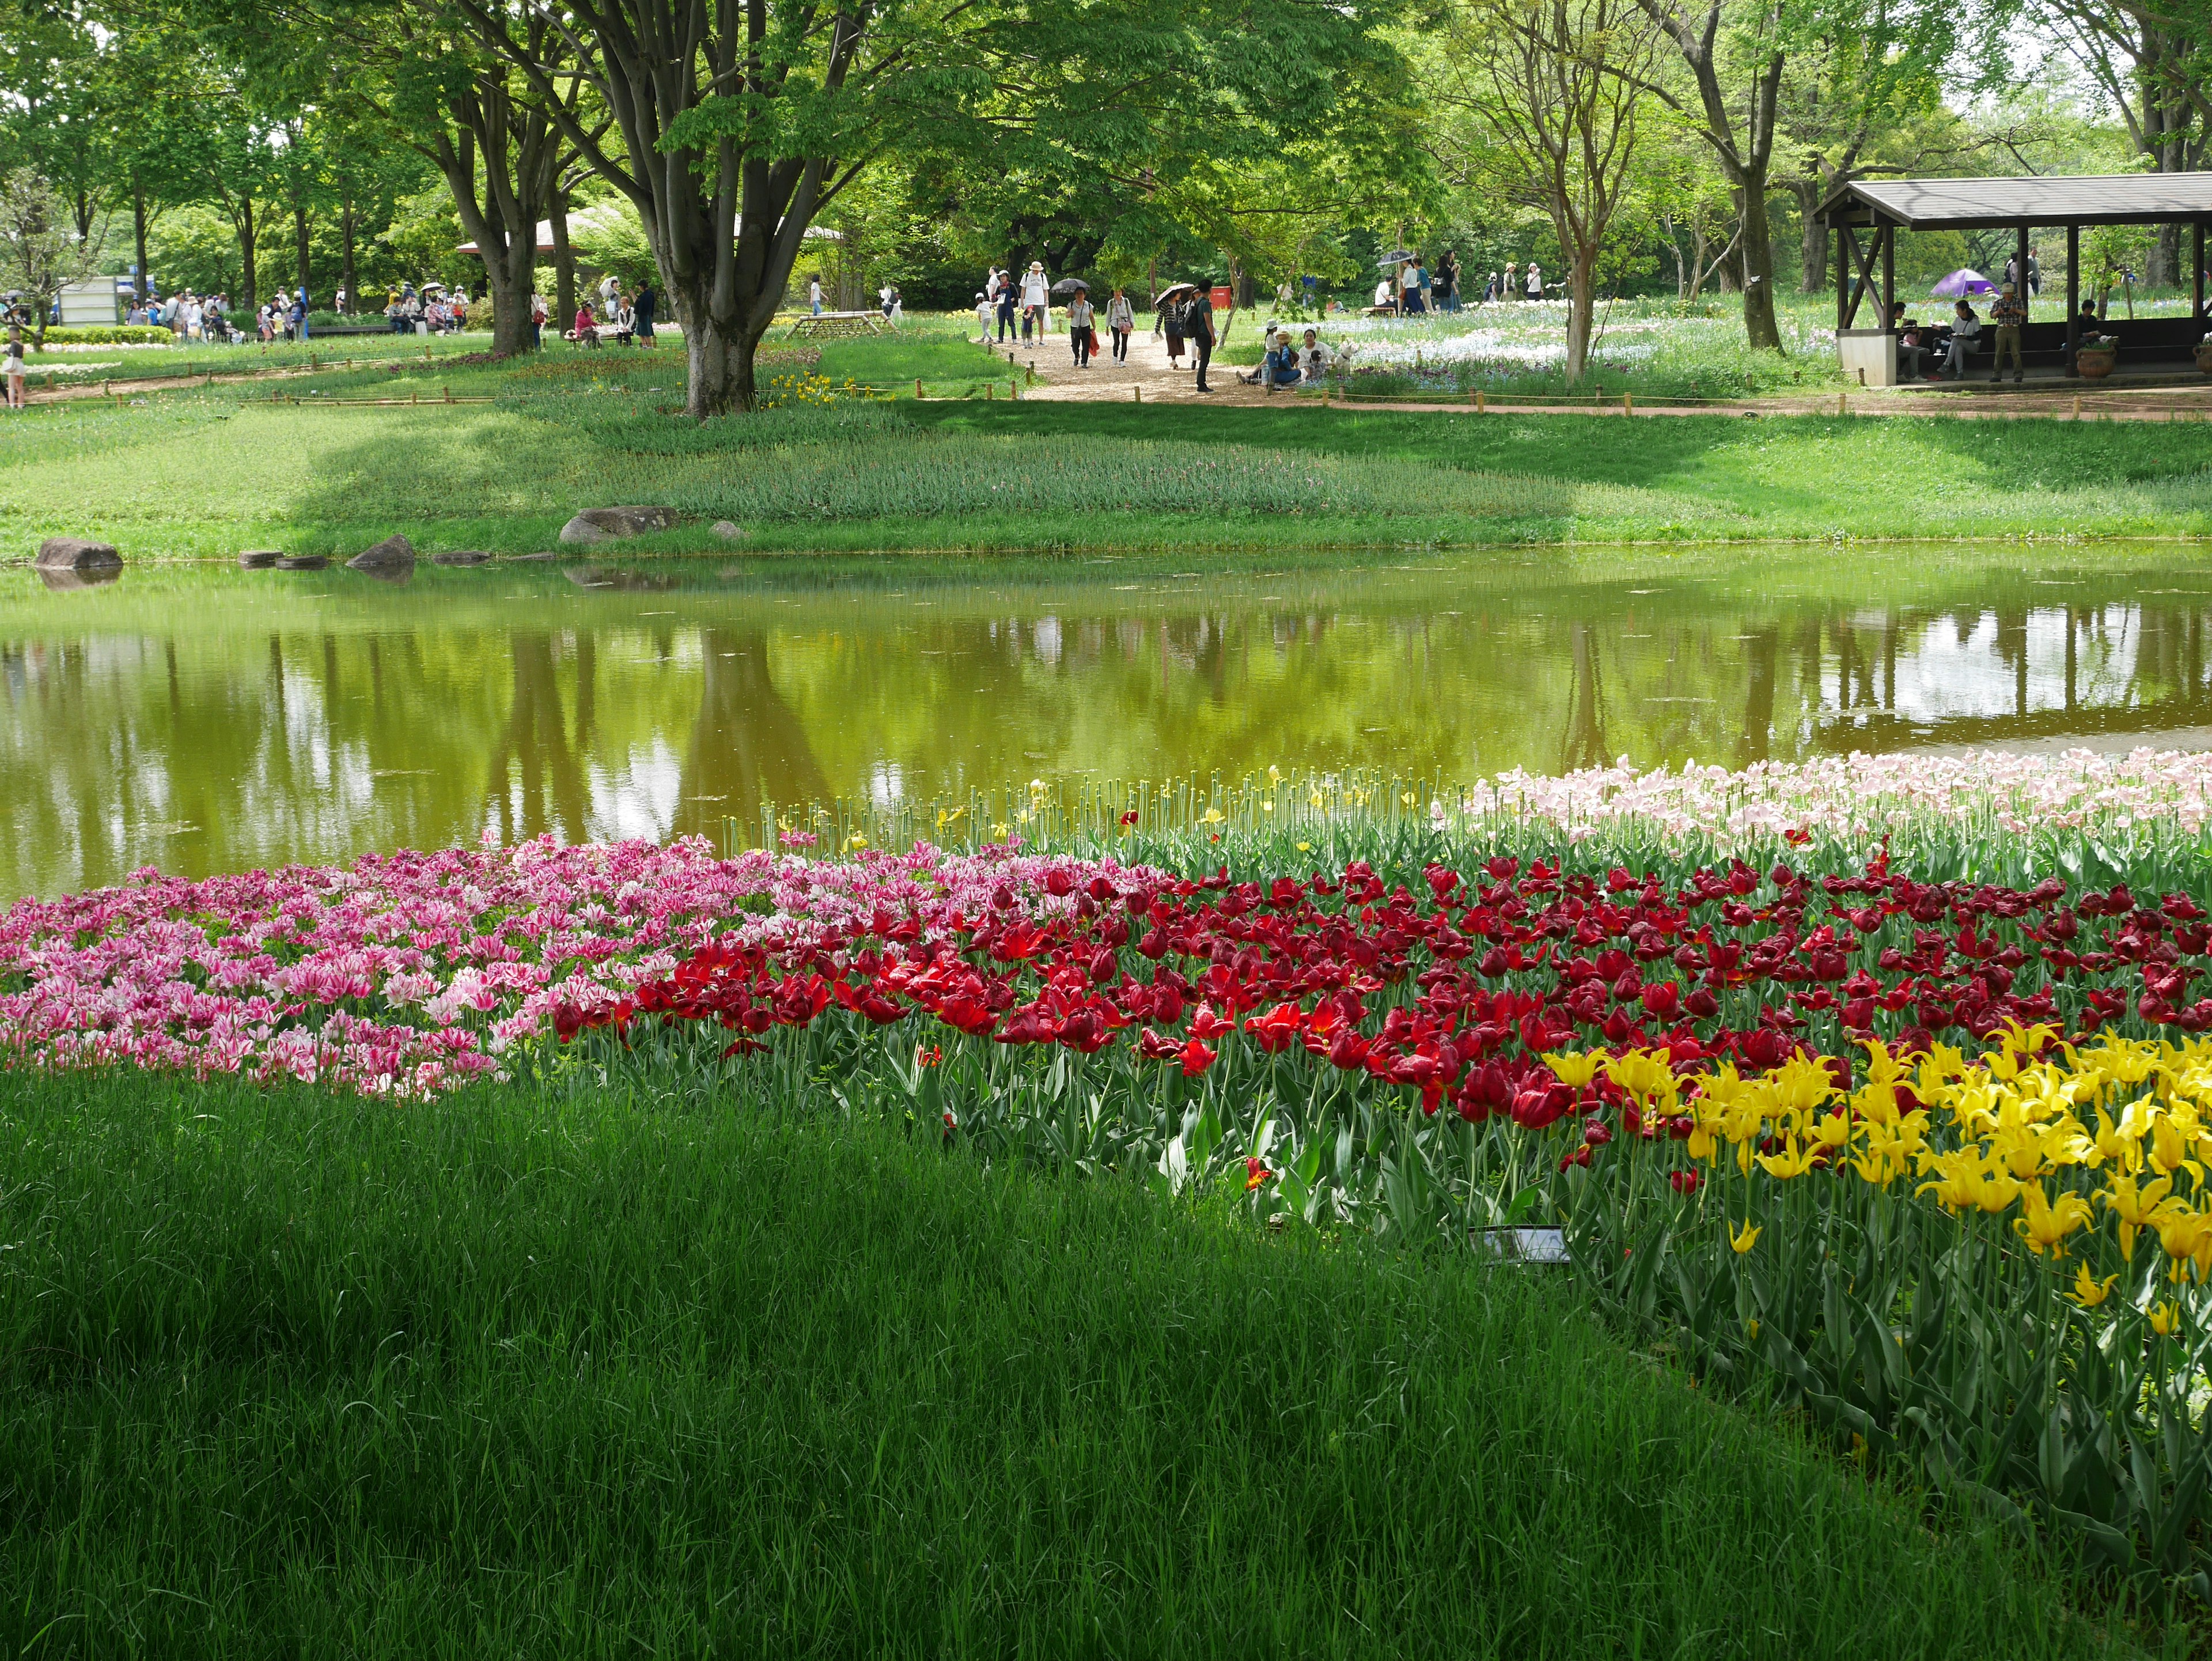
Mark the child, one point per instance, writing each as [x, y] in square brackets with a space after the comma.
[983, 312]
[12, 369]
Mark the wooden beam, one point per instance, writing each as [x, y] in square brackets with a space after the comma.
[2073, 297]
[1888, 236]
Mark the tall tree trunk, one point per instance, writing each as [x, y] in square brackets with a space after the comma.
[142, 286]
[1582, 295]
[1812, 249]
[719, 366]
[241, 221]
[1759, 327]
[349, 222]
[300, 243]
[564, 267]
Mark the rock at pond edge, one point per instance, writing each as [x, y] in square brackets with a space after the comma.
[394, 553]
[76, 554]
[461, 557]
[259, 559]
[600, 524]
[729, 532]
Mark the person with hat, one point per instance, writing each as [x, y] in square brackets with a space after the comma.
[2008, 314]
[1037, 300]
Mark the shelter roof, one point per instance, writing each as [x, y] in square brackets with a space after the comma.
[2135, 198]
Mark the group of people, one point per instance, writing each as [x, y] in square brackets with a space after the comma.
[192, 317]
[1957, 340]
[627, 316]
[1290, 359]
[1417, 290]
[1019, 303]
[433, 311]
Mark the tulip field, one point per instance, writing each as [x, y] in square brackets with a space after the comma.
[1900, 1118]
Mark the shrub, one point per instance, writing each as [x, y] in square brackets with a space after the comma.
[93, 334]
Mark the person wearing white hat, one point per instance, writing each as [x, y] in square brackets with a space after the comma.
[1036, 298]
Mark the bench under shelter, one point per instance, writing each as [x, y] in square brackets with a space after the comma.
[1867, 216]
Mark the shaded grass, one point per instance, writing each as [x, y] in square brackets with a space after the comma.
[567, 1371]
[571, 433]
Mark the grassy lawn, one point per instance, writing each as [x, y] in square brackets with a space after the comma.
[541, 1372]
[191, 472]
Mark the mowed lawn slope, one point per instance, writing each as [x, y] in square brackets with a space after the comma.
[534, 1373]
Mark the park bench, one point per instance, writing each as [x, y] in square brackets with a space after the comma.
[836, 324]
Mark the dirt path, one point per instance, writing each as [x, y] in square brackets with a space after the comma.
[1148, 377]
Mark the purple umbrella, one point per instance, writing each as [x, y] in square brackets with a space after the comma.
[1961, 283]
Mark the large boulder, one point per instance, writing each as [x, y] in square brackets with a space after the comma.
[606, 524]
[392, 554]
[76, 554]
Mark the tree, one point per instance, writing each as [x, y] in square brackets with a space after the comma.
[741, 120]
[41, 251]
[1754, 45]
[1558, 85]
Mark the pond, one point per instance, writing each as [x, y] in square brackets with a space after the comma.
[203, 719]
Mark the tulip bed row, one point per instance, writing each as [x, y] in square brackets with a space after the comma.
[1849, 1132]
[1928, 1153]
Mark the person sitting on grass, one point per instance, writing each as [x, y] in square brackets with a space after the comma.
[1314, 358]
[1279, 368]
[1966, 334]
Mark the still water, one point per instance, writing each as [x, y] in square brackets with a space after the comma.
[206, 720]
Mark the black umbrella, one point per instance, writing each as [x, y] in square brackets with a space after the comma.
[1172, 291]
[1071, 285]
[1397, 257]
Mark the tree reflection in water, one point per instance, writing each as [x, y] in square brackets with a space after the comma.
[209, 720]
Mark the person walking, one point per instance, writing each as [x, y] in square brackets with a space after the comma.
[814, 293]
[1078, 327]
[1004, 301]
[1198, 329]
[2009, 313]
[1511, 290]
[1120, 323]
[1037, 299]
[1447, 286]
[537, 319]
[2034, 274]
[1535, 282]
[300, 313]
[1170, 324]
[11, 369]
[648, 303]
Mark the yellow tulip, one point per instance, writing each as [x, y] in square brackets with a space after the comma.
[2089, 1291]
[2045, 1226]
[1743, 1238]
[2133, 1207]
[1575, 1070]
[2164, 1317]
[1794, 1160]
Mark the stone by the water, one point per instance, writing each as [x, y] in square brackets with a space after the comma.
[77, 554]
[394, 553]
[604, 524]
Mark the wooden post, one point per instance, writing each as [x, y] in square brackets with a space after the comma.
[1140, 392]
[990, 390]
[2019, 271]
[1888, 234]
[917, 389]
[1628, 404]
[2077, 406]
[2074, 304]
[2199, 239]
[1842, 408]
[1013, 389]
[1481, 402]
[414, 397]
[448, 392]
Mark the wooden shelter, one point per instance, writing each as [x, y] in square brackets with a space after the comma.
[1877, 210]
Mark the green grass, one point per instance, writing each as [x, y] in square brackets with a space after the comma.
[577, 430]
[545, 1373]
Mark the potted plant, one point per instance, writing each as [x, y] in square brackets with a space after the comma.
[2096, 355]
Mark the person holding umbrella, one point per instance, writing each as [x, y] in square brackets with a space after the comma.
[1169, 307]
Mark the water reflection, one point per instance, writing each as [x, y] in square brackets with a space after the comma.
[209, 719]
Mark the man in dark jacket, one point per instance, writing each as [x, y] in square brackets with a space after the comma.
[1198, 329]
